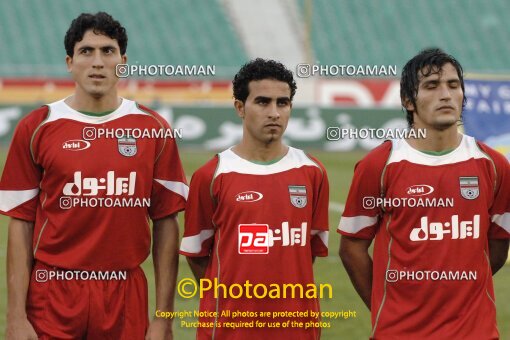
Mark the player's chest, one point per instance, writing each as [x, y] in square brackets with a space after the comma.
[265, 196]
[91, 151]
[468, 185]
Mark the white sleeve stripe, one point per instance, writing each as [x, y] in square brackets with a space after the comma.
[177, 187]
[10, 199]
[193, 244]
[323, 235]
[354, 224]
[503, 221]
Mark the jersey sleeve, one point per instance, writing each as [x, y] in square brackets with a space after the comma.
[500, 210]
[360, 218]
[19, 186]
[169, 189]
[199, 229]
[320, 215]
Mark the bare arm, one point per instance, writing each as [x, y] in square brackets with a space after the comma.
[198, 266]
[166, 261]
[498, 253]
[19, 269]
[358, 264]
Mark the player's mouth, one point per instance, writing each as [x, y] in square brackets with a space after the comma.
[97, 76]
[446, 108]
[273, 125]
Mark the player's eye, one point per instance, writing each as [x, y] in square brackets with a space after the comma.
[85, 50]
[283, 102]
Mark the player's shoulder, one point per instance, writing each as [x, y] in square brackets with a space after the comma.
[151, 113]
[35, 117]
[377, 157]
[306, 159]
[206, 172]
[494, 155]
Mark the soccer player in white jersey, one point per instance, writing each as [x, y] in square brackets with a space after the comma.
[80, 205]
[257, 216]
[430, 276]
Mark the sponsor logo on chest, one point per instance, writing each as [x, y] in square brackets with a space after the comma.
[75, 145]
[259, 238]
[457, 230]
[419, 190]
[249, 196]
[110, 185]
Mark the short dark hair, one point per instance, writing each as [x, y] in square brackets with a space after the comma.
[425, 63]
[259, 69]
[100, 23]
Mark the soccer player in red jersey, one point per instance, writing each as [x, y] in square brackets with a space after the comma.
[256, 217]
[80, 203]
[439, 210]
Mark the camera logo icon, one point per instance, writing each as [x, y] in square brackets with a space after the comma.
[303, 70]
[89, 133]
[369, 202]
[66, 202]
[41, 275]
[122, 70]
[333, 133]
[391, 275]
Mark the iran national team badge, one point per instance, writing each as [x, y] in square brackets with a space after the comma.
[127, 146]
[298, 195]
[469, 187]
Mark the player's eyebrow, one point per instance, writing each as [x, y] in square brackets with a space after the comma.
[268, 99]
[283, 99]
[430, 82]
[104, 47]
[263, 98]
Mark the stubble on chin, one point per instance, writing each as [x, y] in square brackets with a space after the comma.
[445, 124]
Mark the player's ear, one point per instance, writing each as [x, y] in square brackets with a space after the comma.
[239, 106]
[69, 63]
[407, 104]
[124, 59]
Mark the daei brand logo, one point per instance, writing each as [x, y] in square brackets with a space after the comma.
[419, 190]
[90, 186]
[249, 196]
[458, 230]
[75, 145]
[258, 238]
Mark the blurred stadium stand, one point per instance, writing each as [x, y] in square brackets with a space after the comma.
[372, 32]
[160, 32]
[226, 33]
[206, 32]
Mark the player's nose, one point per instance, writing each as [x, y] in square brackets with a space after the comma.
[274, 113]
[445, 92]
[98, 61]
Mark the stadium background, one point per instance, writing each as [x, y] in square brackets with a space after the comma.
[227, 33]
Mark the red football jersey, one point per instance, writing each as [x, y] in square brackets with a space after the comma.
[261, 224]
[91, 192]
[431, 217]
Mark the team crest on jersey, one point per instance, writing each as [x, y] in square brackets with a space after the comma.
[469, 187]
[298, 195]
[127, 146]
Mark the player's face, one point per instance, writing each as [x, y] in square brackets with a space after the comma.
[93, 64]
[439, 100]
[266, 111]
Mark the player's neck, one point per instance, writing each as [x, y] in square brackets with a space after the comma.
[260, 153]
[437, 140]
[84, 102]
